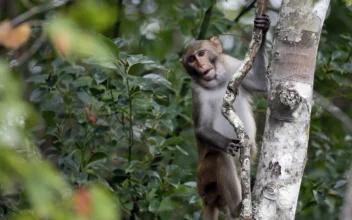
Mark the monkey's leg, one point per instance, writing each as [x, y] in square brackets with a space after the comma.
[210, 212]
[231, 188]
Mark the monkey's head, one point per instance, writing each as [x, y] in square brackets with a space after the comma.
[200, 60]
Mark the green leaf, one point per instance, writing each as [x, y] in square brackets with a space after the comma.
[143, 205]
[80, 177]
[119, 176]
[158, 79]
[191, 184]
[66, 79]
[167, 124]
[97, 156]
[144, 103]
[83, 81]
[38, 78]
[49, 117]
[37, 95]
[152, 173]
[153, 64]
[340, 183]
[74, 69]
[132, 166]
[103, 203]
[69, 162]
[100, 76]
[338, 55]
[172, 141]
[205, 3]
[112, 47]
[181, 150]
[319, 196]
[104, 62]
[88, 100]
[134, 59]
[154, 205]
[172, 57]
[166, 204]
[139, 58]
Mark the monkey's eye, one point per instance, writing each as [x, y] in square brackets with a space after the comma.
[201, 53]
[191, 59]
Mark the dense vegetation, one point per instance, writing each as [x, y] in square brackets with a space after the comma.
[105, 102]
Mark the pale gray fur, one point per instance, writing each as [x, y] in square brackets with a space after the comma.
[212, 96]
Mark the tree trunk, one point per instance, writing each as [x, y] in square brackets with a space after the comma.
[285, 142]
[346, 211]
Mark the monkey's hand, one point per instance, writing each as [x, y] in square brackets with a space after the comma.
[262, 22]
[232, 147]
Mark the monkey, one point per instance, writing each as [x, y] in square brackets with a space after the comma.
[218, 182]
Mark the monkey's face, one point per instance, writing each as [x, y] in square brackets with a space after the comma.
[202, 62]
[199, 60]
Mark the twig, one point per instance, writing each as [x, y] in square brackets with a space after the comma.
[34, 48]
[37, 10]
[246, 9]
[27, 3]
[229, 113]
[334, 110]
[205, 23]
[120, 11]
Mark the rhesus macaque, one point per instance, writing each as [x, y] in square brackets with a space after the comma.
[218, 183]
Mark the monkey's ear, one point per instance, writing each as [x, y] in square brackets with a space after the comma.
[217, 44]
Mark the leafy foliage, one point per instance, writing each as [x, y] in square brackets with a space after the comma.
[111, 112]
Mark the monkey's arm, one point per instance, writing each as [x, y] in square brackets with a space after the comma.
[256, 81]
[210, 137]
[204, 131]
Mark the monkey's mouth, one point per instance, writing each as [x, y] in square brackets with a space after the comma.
[207, 71]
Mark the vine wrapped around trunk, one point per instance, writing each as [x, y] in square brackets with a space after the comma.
[229, 113]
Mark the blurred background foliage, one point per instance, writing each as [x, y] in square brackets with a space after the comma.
[96, 109]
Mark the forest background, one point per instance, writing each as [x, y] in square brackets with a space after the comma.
[96, 89]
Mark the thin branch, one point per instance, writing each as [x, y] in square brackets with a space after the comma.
[120, 11]
[206, 22]
[37, 10]
[229, 113]
[33, 49]
[245, 9]
[334, 110]
[27, 3]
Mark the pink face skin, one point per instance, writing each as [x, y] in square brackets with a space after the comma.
[201, 63]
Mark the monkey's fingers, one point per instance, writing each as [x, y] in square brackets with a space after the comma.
[264, 20]
[232, 148]
[262, 24]
[256, 21]
[231, 152]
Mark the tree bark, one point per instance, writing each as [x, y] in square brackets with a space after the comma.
[346, 211]
[284, 151]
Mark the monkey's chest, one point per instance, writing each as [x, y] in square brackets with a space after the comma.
[219, 122]
[221, 125]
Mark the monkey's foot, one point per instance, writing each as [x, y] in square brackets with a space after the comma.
[232, 147]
